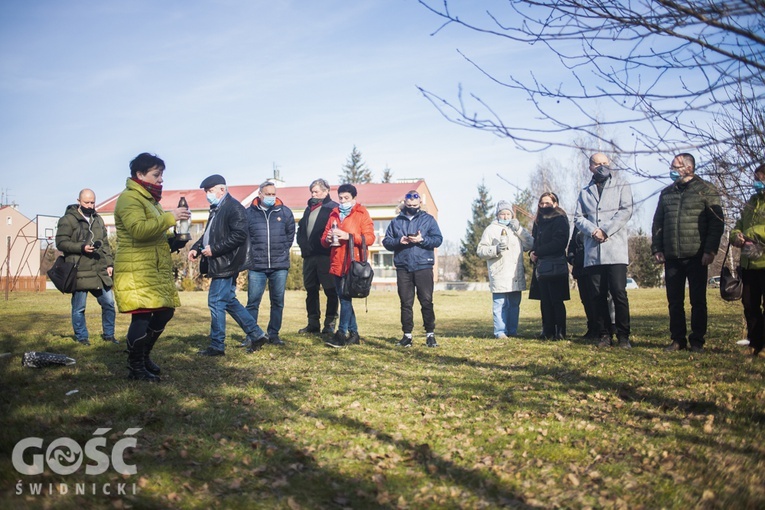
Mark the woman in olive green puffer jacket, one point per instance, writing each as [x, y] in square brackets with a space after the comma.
[143, 271]
[749, 235]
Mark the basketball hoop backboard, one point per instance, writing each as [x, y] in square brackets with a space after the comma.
[46, 228]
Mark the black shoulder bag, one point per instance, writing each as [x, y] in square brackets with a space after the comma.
[63, 274]
[357, 280]
[731, 286]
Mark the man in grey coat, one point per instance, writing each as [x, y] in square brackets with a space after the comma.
[603, 209]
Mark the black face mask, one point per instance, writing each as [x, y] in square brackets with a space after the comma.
[546, 212]
[601, 173]
[314, 201]
[411, 211]
[88, 211]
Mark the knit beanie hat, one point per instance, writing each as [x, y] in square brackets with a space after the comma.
[504, 205]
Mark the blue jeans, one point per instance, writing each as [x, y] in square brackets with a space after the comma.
[347, 320]
[277, 281]
[105, 298]
[506, 307]
[221, 299]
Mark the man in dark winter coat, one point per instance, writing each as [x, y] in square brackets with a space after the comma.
[225, 250]
[316, 260]
[81, 236]
[272, 229]
[687, 228]
[412, 237]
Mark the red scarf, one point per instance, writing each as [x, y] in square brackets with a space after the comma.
[154, 190]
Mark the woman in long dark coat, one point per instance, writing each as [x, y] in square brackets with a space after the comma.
[550, 234]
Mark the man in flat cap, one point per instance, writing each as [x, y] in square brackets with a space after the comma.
[225, 253]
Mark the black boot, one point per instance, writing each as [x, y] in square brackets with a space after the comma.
[136, 363]
[151, 338]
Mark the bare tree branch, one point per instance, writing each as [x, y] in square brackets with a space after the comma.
[671, 69]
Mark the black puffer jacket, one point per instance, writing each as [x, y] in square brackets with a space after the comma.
[689, 220]
[72, 234]
[229, 239]
[311, 244]
[272, 231]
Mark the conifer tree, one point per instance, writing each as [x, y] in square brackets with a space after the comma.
[473, 268]
[642, 266]
[355, 171]
[387, 175]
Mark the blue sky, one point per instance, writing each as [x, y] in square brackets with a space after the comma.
[236, 86]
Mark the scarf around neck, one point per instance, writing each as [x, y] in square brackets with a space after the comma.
[154, 190]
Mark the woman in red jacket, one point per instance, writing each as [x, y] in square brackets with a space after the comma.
[346, 219]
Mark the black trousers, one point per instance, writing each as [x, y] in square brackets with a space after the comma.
[422, 282]
[552, 307]
[752, 298]
[316, 274]
[611, 279]
[587, 296]
[141, 322]
[676, 272]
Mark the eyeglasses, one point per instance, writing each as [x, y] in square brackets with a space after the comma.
[410, 196]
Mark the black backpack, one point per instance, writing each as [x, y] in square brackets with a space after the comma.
[357, 280]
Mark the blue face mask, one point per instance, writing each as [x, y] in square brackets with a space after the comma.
[214, 200]
[504, 222]
[759, 186]
[269, 201]
[346, 207]
[674, 175]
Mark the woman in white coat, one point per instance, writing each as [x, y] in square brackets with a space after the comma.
[502, 245]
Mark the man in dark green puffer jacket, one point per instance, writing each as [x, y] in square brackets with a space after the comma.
[81, 236]
[687, 228]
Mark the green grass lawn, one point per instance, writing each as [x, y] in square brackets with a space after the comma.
[475, 423]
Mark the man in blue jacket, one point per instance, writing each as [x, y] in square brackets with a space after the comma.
[272, 230]
[412, 236]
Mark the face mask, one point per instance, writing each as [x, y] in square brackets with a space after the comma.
[759, 186]
[504, 222]
[674, 175]
[90, 211]
[314, 201]
[269, 201]
[546, 211]
[214, 200]
[411, 211]
[601, 173]
[347, 206]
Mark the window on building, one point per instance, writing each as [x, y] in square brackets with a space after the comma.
[383, 259]
[381, 226]
[9, 220]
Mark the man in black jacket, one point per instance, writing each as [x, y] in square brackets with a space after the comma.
[316, 260]
[225, 249]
